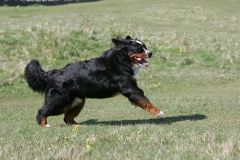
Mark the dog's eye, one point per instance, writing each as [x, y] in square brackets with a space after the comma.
[139, 49]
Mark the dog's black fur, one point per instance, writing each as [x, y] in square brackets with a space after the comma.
[100, 77]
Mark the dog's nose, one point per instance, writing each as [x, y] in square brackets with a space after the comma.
[149, 54]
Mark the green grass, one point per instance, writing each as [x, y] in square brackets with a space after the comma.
[193, 77]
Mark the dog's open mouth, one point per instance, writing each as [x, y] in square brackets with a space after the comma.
[141, 61]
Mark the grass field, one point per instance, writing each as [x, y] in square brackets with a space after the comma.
[194, 77]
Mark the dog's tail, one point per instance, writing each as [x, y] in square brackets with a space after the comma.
[36, 77]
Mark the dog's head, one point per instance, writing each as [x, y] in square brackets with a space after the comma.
[137, 50]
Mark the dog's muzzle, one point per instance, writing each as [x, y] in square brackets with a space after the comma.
[149, 54]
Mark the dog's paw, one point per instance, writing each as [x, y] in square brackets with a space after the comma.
[134, 106]
[47, 125]
[160, 114]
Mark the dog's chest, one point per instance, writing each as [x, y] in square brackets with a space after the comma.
[136, 68]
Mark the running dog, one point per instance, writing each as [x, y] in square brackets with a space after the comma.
[114, 72]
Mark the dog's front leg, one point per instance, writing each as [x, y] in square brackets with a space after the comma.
[145, 104]
[136, 97]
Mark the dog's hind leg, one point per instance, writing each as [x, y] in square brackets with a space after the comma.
[55, 104]
[74, 110]
[42, 117]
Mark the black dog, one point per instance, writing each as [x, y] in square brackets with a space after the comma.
[102, 77]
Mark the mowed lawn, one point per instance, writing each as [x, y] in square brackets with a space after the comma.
[193, 76]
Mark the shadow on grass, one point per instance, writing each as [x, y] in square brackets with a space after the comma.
[166, 120]
[41, 2]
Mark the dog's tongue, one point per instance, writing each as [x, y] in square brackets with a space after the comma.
[142, 61]
[138, 59]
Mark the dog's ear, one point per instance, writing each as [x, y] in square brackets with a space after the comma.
[128, 37]
[118, 42]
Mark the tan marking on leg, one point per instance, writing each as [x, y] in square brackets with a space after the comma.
[147, 106]
[72, 113]
[152, 109]
[44, 121]
[66, 108]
